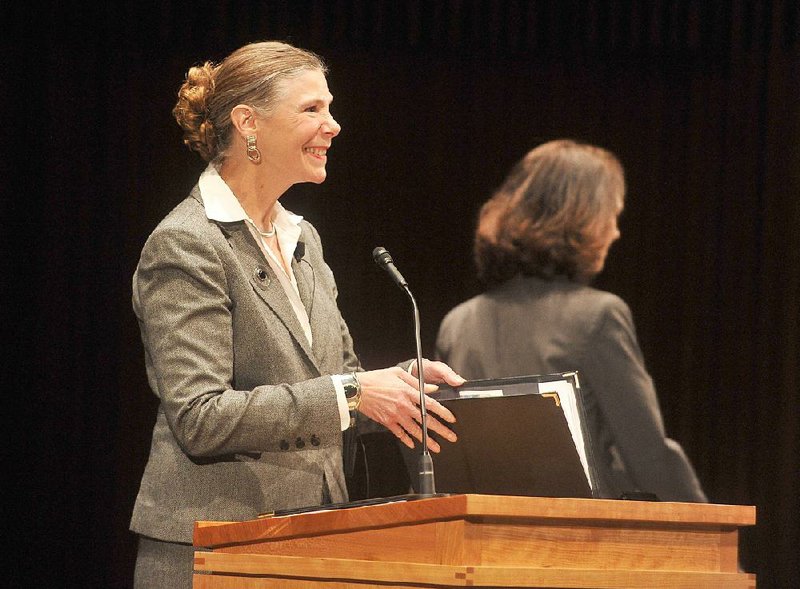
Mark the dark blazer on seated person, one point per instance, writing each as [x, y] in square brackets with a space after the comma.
[530, 325]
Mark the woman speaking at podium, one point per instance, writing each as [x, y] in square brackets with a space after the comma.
[540, 240]
[245, 347]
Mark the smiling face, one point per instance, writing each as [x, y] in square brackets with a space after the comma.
[294, 138]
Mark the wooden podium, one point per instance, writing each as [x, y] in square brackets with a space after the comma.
[481, 541]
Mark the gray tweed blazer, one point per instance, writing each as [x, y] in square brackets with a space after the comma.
[534, 326]
[248, 420]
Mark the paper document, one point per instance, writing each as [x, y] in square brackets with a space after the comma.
[479, 393]
[569, 404]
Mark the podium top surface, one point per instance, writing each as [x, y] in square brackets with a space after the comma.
[472, 507]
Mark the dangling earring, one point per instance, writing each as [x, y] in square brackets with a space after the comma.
[252, 151]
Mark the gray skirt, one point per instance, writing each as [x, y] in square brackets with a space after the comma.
[162, 564]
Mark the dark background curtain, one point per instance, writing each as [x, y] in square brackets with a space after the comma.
[700, 100]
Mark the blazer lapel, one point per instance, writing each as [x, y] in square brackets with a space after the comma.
[306, 285]
[304, 274]
[265, 283]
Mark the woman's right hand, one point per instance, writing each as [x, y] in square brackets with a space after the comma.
[390, 396]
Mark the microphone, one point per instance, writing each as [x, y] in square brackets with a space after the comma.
[427, 485]
[299, 251]
[384, 260]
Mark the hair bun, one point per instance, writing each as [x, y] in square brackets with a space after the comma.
[191, 110]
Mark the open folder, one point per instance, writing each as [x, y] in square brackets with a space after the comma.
[522, 435]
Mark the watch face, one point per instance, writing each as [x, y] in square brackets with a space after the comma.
[351, 388]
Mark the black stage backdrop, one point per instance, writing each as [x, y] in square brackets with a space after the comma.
[700, 100]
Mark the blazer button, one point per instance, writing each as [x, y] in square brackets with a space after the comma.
[314, 440]
[300, 443]
[261, 275]
[284, 445]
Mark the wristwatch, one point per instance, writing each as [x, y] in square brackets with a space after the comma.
[352, 392]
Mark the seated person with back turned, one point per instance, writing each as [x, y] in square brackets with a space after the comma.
[540, 240]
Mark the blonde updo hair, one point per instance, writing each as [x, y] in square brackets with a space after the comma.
[251, 75]
[546, 218]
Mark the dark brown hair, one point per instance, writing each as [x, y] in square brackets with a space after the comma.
[250, 75]
[545, 218]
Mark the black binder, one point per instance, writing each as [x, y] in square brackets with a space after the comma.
[512, 440]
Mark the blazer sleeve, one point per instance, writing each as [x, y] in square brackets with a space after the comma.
[182, 298]
[615, 370]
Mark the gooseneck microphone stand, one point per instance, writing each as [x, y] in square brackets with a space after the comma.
[427, 485]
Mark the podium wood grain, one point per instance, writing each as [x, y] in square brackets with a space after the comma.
[481, 540]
